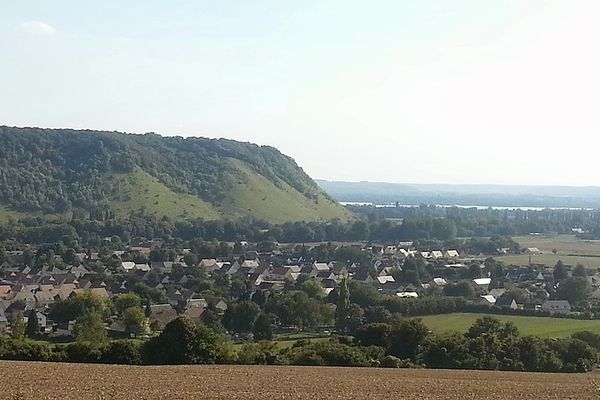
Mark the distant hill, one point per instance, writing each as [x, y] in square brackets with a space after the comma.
[110, 174]
[477, 195]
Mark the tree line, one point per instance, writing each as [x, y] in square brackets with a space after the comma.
[488, 344]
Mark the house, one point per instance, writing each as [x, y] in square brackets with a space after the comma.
[163, 313]
[497, 292]
[440, 281]
[142, 250]
[127, 266]
[325, 275]
[390, 250]
[532, 251]
[411, 295]
[3, 321]
[451, 254]
[556, 306]
[340, 270]
[507, 302]
[209, 263]
[100, 292]
[403, 253]
[218, 305]
[250, 264]
[321, 267]
[280, 274]
[5, 292]
[436, 254]
[382, 280]
[195, 313]
[42, 321]
[15, 309]
[142, 267]
[482, 282]
[202, 303]
[178, 296]
[487, 300]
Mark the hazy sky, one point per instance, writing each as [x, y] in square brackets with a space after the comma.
[480, 91]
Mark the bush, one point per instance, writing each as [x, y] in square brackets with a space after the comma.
[390, 362]
[184, 342]
[328, 354]
[83, 352]
[122, 352]
[11, 349]
[261, 353]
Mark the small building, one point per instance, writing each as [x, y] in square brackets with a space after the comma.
[532, 251]
[407, 295]
[451, 254]
[436, 254]
[3, 322]
[439, 281]
[507, 302]
[482, 282]
[487, 300]
[163, 313]
[556, 306]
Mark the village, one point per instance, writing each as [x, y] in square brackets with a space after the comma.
[209, 285]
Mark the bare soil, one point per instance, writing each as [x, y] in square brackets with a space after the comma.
[28, 380]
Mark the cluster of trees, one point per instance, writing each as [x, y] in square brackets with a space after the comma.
[488, 222]
[206, 237]
[488, 344]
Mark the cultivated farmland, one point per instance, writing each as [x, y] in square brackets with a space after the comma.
[26, 380]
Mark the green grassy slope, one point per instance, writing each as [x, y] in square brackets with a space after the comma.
[139, 190]
[251, 194]
[538, 326]
[6, 214]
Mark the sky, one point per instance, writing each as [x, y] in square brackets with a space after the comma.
[428, 91]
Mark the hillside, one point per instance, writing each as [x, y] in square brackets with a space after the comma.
[110, 174]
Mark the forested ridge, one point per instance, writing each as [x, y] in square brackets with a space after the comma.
[59, 170]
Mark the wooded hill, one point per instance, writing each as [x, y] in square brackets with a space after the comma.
[109, 174]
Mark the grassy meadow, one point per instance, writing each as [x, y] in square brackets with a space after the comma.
[567, 248]
[538, 326]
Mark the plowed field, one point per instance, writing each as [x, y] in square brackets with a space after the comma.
[23, 380]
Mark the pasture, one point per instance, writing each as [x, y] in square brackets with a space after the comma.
[563, 244]
[538, 326]
[550, 260]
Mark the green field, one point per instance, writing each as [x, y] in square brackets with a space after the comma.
[561, 244]
[551, 260]
[567, 248]
[538, 326]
